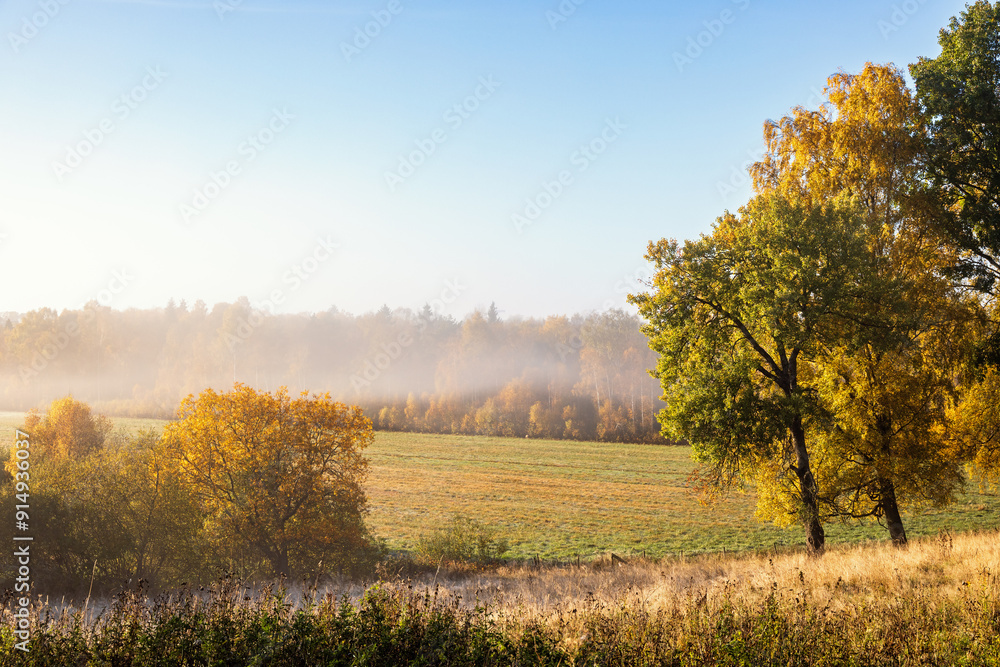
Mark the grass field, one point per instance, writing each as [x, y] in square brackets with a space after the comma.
[560, 499]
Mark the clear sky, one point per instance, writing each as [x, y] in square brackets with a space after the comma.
[310, 154]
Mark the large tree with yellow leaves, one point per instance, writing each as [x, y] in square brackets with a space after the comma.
[279, 476]
[884, 441]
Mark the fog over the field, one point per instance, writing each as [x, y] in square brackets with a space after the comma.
[410, 369]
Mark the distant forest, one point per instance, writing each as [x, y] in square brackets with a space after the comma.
[581, 377]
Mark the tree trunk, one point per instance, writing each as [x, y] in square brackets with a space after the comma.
[277, 557]
[890, 510]
[887, 505]
[280, 563]
[815, 536]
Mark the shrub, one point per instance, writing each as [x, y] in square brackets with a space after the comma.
[463, 539]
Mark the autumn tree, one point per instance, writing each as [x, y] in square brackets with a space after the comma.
[735, 317]
[613, 361]
[545, 421]
[975, 419]
[64, 440]
[975, 428]
[513, 405]
[277, 475]
[886, 443]
[884, 391]
[67, 430]
[105, 512]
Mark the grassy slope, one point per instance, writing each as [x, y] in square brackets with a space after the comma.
[559, 499]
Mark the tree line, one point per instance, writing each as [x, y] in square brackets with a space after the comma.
[580, 377]
[834, 344]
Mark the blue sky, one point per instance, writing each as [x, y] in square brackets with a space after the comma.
[456, 154]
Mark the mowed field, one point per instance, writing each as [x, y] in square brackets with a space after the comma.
[559, 499]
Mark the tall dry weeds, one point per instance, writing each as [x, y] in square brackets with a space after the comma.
[936, 602]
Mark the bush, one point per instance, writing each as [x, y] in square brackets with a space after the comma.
[465, 540]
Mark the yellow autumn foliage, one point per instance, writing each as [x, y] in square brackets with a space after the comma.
[880, 436]
[279, 476]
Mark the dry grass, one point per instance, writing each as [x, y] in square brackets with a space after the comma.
[936, 602]
[943, 566]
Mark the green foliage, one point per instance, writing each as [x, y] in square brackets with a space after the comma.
[103, 510]
[463, 540]
[385, 627]
[959, 92]
[736, 317]
[731, 313]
